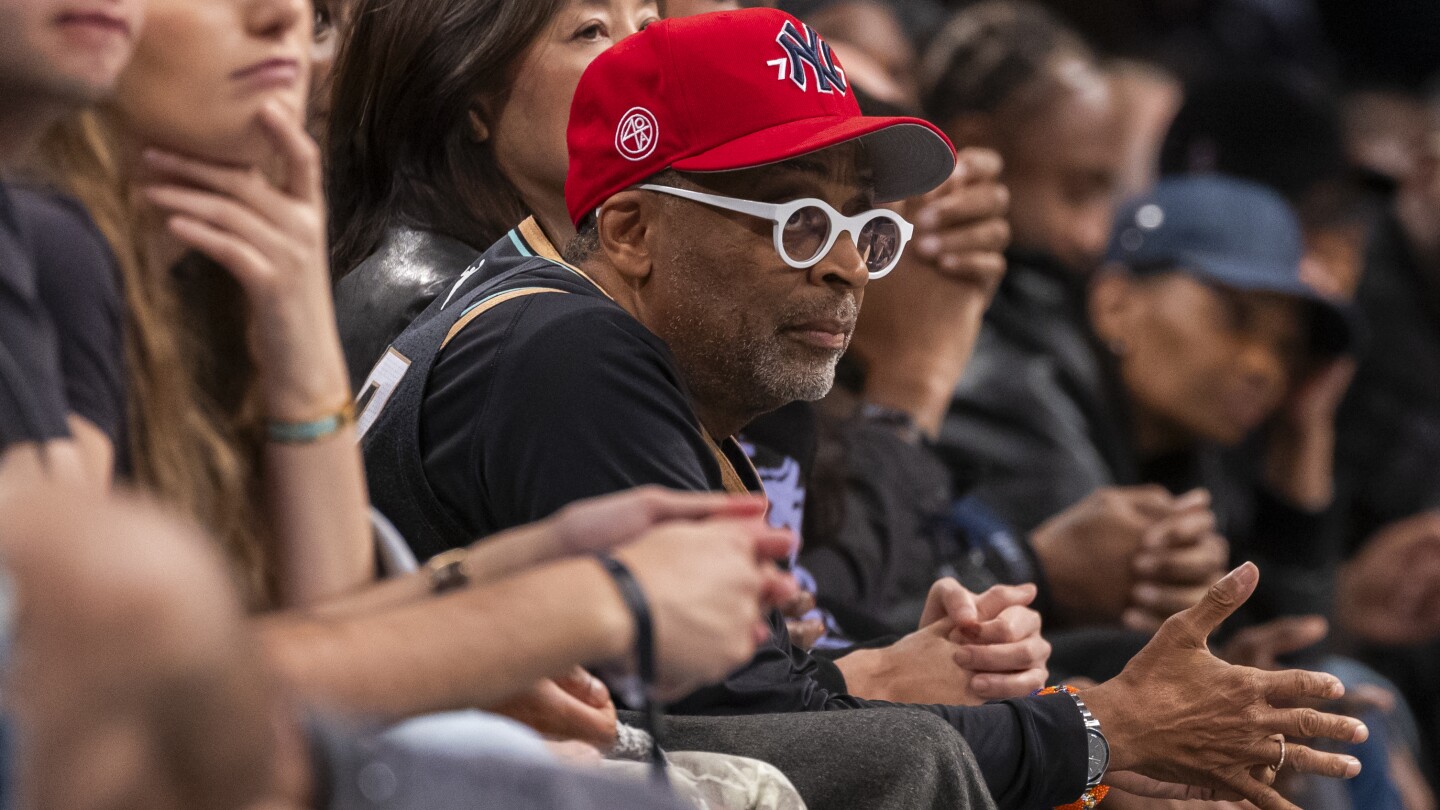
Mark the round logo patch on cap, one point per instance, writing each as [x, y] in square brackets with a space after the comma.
[637, 134]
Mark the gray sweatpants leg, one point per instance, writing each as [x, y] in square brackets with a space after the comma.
[875, 759]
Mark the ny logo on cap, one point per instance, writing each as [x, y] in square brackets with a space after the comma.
[637, 134]
[808, 48]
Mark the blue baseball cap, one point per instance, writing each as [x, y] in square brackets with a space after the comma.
[1230, 232]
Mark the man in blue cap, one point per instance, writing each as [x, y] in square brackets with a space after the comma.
[1198, 334]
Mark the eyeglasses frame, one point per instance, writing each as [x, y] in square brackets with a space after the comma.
[780, 213]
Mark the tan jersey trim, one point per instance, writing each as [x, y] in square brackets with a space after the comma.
[535, 237]
[489, 304]
[734, 484]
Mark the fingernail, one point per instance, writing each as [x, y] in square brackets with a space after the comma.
[1337, 689]
[929, 245]
[1352, 767]
[1362, 733]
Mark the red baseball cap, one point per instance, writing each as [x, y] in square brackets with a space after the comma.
[731, 90]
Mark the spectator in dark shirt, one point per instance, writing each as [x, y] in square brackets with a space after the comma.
[80, 290]
[677, 323]
[43, 74]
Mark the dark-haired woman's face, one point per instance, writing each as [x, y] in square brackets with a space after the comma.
[1208, 363]
[529, 130]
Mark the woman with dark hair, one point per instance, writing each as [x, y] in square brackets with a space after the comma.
[447, 128]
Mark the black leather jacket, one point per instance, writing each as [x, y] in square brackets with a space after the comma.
[384, 293]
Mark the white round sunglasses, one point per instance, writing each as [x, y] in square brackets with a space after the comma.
[806, 229]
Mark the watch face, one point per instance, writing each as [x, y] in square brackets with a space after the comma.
[1099, 753]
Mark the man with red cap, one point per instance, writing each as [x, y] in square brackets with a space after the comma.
[724, 185]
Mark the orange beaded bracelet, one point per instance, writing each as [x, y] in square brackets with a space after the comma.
[1092, 796]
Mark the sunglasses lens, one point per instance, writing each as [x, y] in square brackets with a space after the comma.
[879, 243]
[805, 233]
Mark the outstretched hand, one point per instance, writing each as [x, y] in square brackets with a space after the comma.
[1179, 716]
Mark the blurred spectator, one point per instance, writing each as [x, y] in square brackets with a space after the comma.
[1052, 435]
[1389, 450]
[869, 30]
[1008, 77]
[1286, 134]
[1150, 97]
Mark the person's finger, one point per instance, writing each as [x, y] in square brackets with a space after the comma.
[988, 235]
[1166, 600]
[235, 254]
[298, 150]
[949, 599]
[1141, 621]
[776, 586]
[1294, 684]
[1182, 528]
[804, 633]
[661, 505]
[803, 603]
[963, 205]
[1308, 723]
[1259, 646]
[248, 186]
[1304, 759]
[979, 165]
[981, 270]
[584, 687]
[774, 544]
[1011, 625]
[1258, 793]
[1198, 564]
[221, 212]
[996, 686]
[998, 597]
[1194, 625]
[1014, 657]
[1149, 500]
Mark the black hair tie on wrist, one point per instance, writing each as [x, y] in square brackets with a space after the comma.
[634, 597]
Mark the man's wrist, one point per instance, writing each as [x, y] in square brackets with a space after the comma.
[862, 670]
[1110, 703]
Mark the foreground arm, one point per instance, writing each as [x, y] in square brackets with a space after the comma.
[483, 644]
[271, 237]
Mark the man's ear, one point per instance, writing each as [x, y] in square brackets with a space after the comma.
[1110, 303]
[625, 228]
